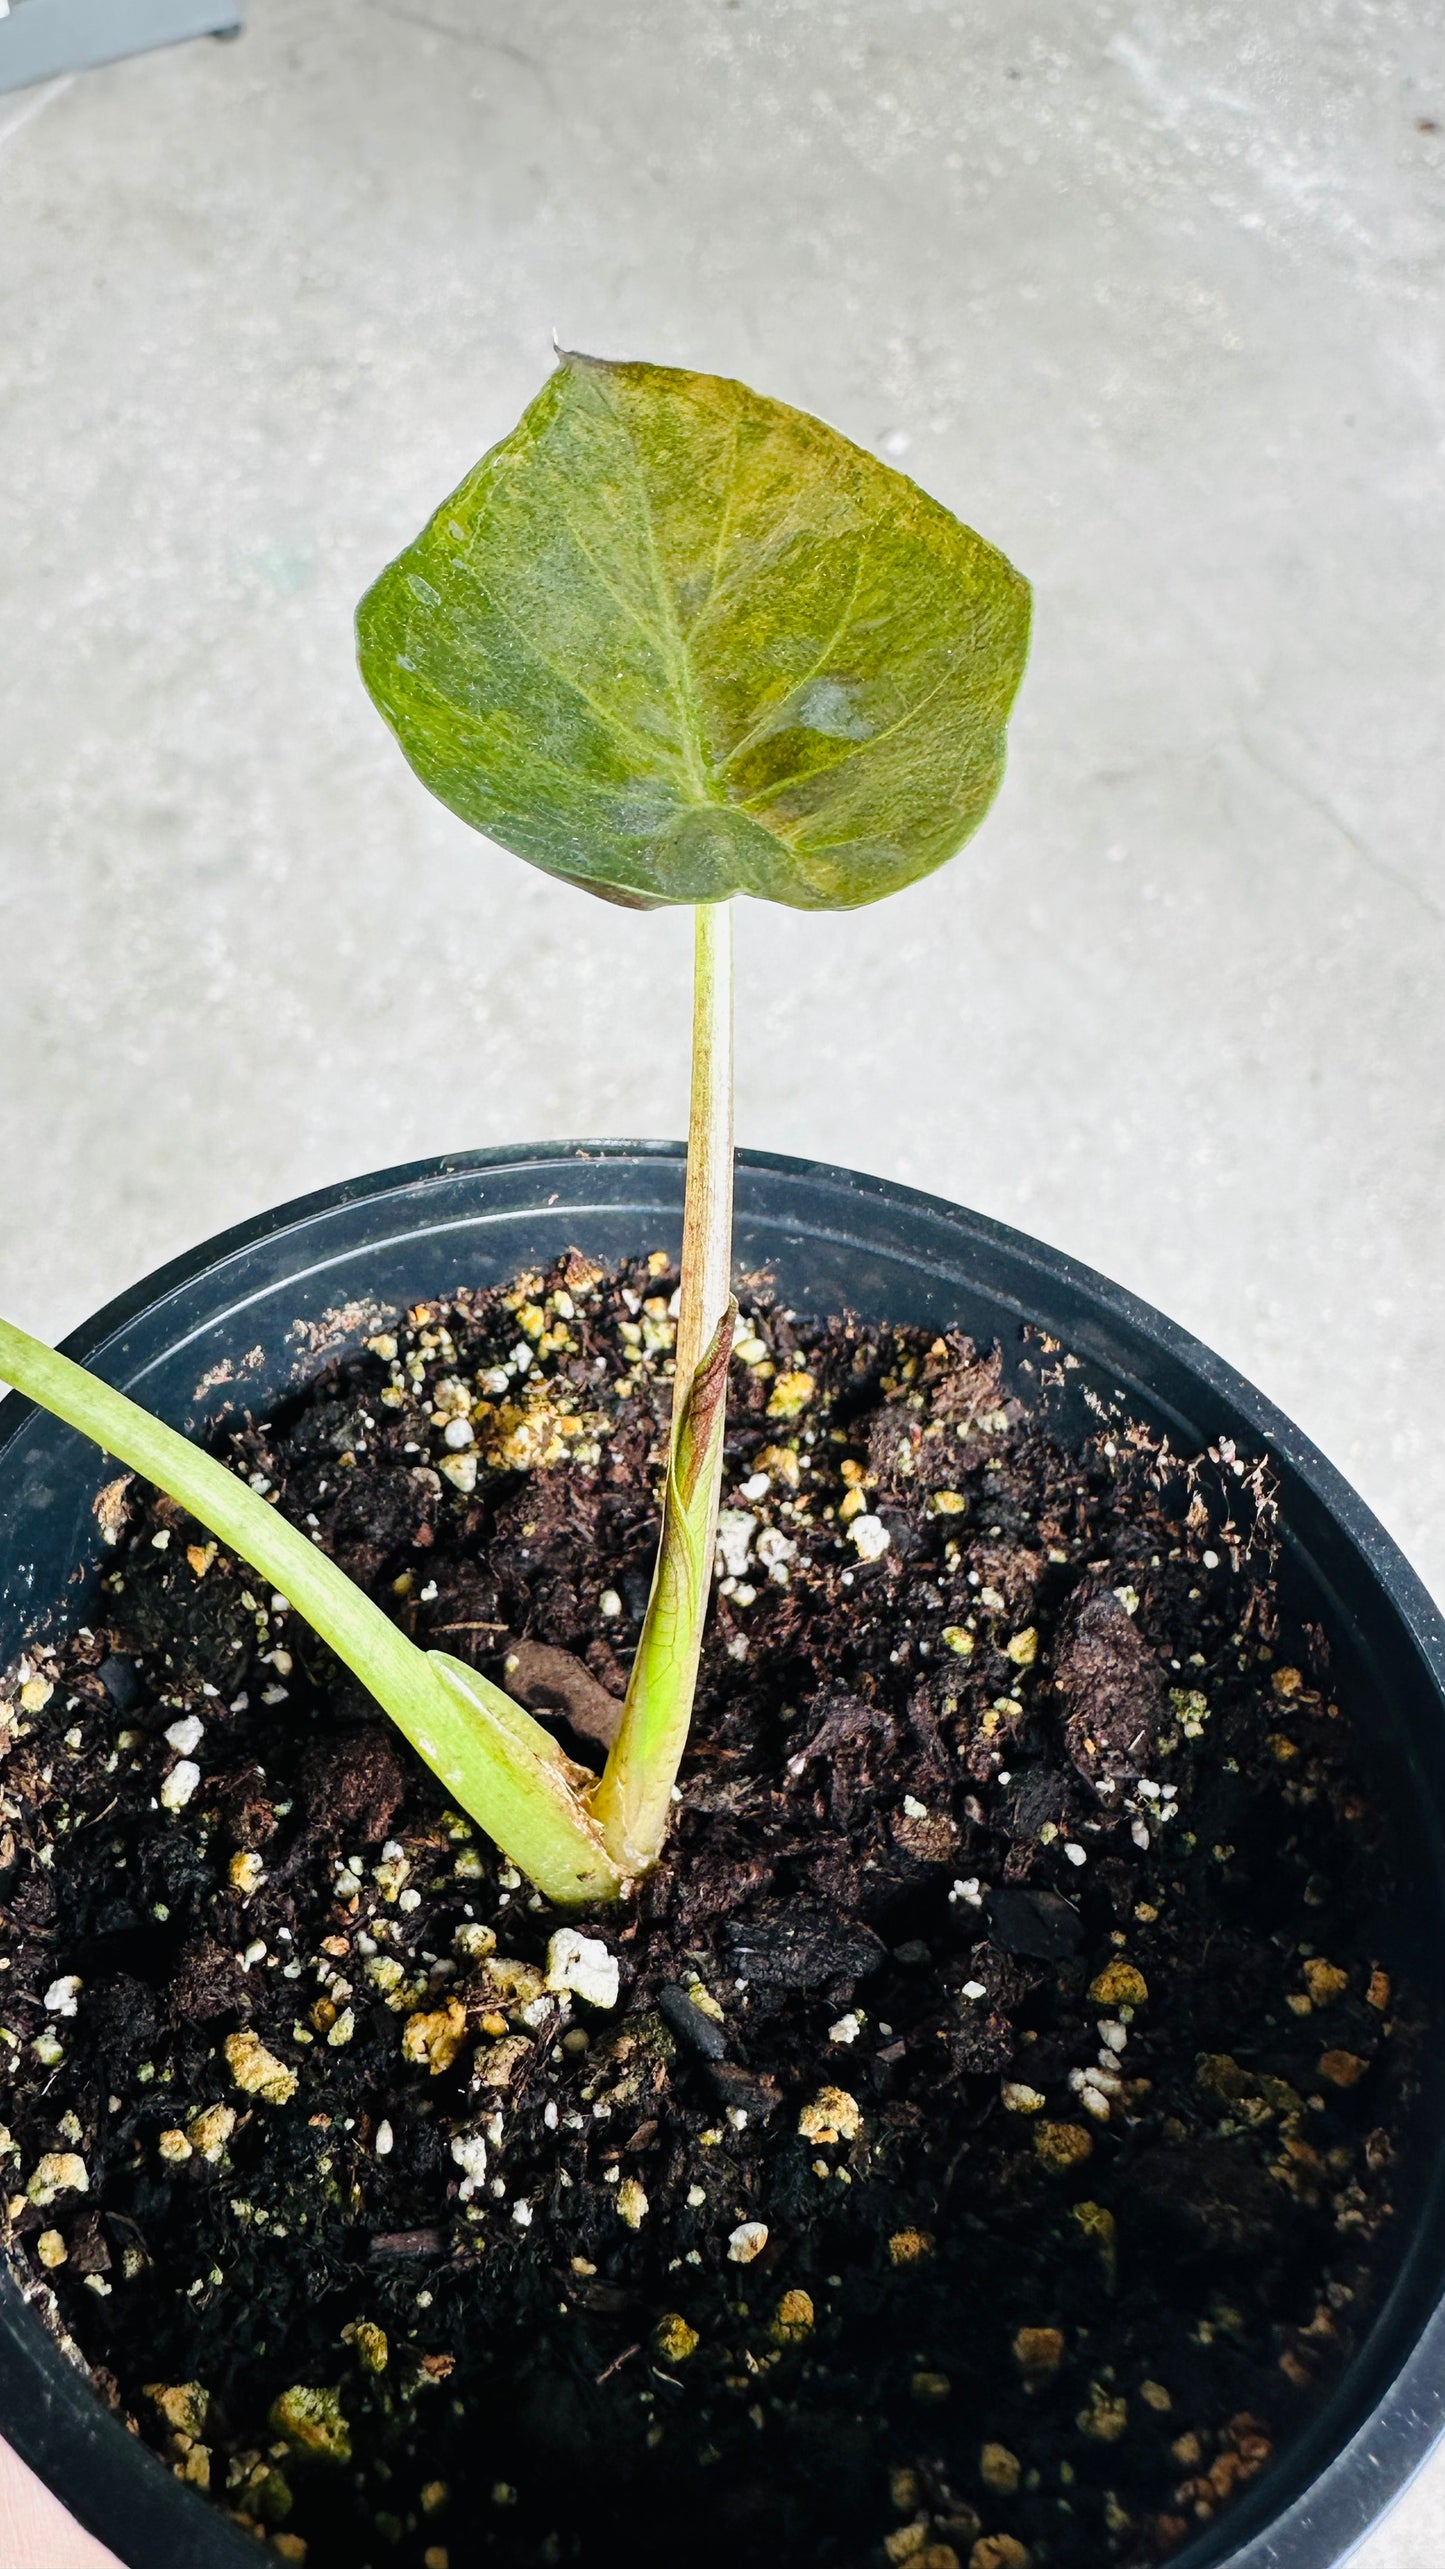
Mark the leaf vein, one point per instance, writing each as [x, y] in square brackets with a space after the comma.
[622, 731]
[764, 723]
[855, 749]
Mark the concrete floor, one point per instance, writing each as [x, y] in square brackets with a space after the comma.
[1149, 295]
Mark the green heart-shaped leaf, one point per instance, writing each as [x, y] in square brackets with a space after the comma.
[673, 641]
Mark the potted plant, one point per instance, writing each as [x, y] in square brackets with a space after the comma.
[964, 2100]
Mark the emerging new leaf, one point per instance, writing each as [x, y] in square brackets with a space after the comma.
[673, 641]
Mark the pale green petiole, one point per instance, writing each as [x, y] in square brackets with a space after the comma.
[504, 1769]
[633, 1802]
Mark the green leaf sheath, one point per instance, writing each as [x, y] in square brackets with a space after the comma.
[673, 641]
[633, 1802]
[503, 1768]
[527, 1795]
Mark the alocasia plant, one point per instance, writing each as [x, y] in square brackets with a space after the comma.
[670, 641]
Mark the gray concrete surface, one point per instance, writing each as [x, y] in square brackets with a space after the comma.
[1149, 294]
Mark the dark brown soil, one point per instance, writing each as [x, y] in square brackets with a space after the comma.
[989, 2155]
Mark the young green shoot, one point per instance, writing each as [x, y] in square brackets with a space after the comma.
[670, 642]
[505, 1769]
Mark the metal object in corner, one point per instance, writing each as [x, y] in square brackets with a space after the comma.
[43, 39]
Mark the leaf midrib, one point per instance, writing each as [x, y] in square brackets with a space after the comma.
[705, 776]
[670, 638]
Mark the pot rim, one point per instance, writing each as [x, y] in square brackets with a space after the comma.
[1349, 2495]
[1307, 1460]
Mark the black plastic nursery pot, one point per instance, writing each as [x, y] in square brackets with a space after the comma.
[248, 1315]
